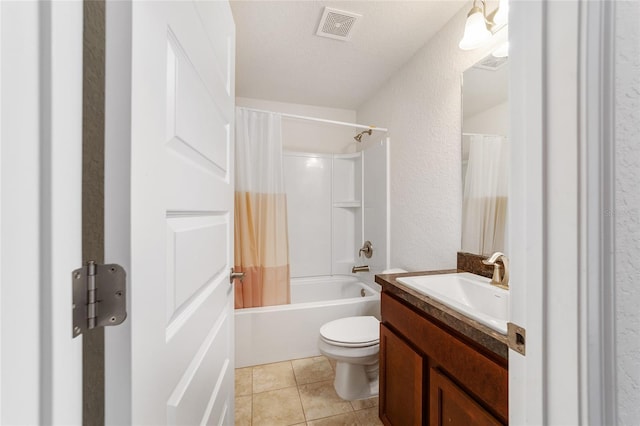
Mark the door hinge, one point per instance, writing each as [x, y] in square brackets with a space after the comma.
[99, 296]
[516, 336]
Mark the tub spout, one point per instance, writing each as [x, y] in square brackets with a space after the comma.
[363, 268]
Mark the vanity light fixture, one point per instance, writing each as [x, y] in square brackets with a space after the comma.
[480, 27]
[475, 28]
[502, 15]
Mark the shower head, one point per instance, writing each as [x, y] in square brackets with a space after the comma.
[358, 137]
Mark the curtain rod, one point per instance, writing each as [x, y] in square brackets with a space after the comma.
[320, 120]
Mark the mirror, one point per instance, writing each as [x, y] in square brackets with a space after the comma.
[485, 156]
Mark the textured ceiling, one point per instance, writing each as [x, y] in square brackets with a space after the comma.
[279, 57]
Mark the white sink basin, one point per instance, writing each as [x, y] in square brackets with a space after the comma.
[469, 294]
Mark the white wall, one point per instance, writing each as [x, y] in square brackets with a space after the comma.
[493, 121]
[308, 136]
[421, 106]
[627, 212]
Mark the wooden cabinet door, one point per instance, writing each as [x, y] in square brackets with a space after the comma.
[451, 406]
[401, 381]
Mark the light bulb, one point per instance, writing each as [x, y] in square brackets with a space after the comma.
[475, 30]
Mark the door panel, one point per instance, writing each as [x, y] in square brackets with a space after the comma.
[193, 117]
[181, 237]
[195, 393]
[196, 256]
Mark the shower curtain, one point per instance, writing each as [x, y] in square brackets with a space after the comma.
[484, 205]
[261, 238]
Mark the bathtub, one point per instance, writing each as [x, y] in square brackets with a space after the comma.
[283, 332]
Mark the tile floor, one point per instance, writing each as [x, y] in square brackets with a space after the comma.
[297, 392]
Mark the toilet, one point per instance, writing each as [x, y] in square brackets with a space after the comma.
[354, 342]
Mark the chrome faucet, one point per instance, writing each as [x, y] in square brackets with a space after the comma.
[499, 280]
[363, 268]
[367, 250]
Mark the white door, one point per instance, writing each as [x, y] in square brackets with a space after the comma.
[40, 211]
[172, 362]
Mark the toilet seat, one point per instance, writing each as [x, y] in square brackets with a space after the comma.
[352, 332]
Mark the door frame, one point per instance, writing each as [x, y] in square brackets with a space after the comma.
[30, 166]
[117, 197]
[40, 199]
[561, 237]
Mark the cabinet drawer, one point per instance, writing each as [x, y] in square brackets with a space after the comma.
[482, 377]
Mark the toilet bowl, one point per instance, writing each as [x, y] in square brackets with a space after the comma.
[354, 343]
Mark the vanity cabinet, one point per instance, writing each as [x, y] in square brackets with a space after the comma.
[451, 405]
[401, 375]
[432, 375]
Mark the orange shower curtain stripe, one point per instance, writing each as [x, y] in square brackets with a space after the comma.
[261, 249]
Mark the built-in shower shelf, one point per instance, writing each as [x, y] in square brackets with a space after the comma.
[347, 204]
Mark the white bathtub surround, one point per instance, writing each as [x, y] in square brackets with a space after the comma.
[308, 180]
[375, 159]
[261, 233]
[278, 333]
[325, 212]
[346, 209]
[335, 202]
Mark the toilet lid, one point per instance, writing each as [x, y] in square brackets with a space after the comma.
[360, 331]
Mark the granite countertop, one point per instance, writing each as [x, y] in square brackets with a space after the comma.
[469, 328]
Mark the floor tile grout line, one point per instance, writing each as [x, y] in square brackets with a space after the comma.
[293, 371]
[251, 419]
[304, 412]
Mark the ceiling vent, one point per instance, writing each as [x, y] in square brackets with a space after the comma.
[337, 24]
[491, 63]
